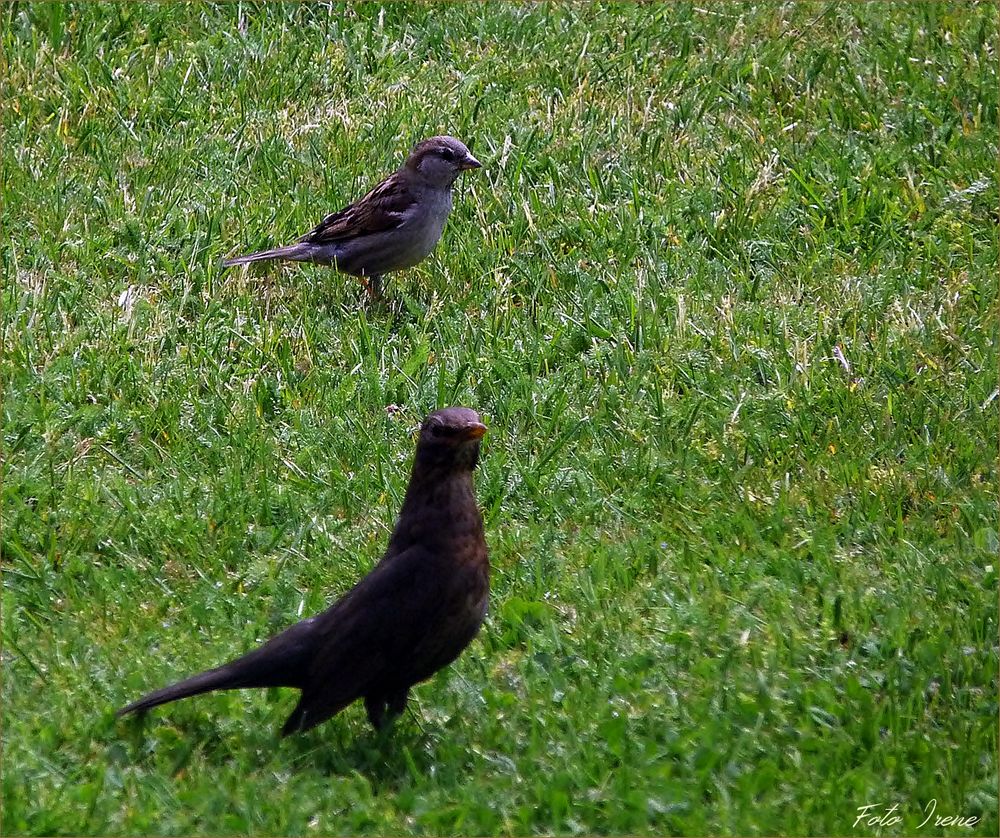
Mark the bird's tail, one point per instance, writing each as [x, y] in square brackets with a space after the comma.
[298, 252]
[215, 679]
[280, 662]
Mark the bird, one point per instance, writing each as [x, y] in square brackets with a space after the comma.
[393, 226]
[413, 614]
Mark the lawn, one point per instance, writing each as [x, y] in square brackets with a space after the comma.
[724, 291]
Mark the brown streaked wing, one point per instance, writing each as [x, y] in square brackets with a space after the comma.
[380, 210]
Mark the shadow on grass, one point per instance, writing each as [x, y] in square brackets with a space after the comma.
[343, 746]
[385, 758]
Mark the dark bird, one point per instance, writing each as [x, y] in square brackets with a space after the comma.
[394, 226]
[413, 614]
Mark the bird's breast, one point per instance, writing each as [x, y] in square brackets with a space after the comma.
[425, 222]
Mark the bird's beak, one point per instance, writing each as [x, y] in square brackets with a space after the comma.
[475, 430]
[470, 162]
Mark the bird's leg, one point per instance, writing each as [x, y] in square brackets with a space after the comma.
[373, 286]
[382, 710]
[375, 707]
[397, 702]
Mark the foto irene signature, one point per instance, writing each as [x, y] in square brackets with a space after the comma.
[876, 814]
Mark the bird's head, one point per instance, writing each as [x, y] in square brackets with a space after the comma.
[449, 440]
[440, 160]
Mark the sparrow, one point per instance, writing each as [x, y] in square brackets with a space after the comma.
[413, 614]
[392, 227]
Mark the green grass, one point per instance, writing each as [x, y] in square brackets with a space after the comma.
[725, 291]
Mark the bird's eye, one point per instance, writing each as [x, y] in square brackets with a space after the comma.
[447, 154]
[440, 430]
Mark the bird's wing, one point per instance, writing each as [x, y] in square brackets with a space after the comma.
[382, 209]
[398, 621]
